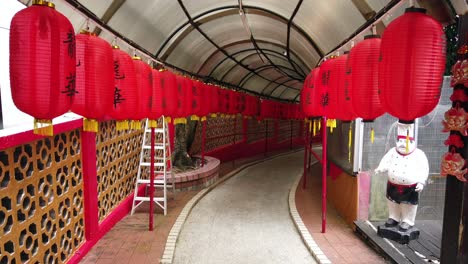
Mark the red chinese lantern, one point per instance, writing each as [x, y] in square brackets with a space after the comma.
[214, 100]
[156, 110]
[95, 80]
[339, 90]
[144, 86]
[193, 99]
[232, 103]
[412, 65]
[241, 103]
[310, 95]
[326, 107]
[169, 95]
[224, 101]
[125, 94]
[182, 110]
[42, 64]
[205, 104]
[363, 63]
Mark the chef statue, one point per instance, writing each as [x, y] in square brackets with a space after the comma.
[407, 168]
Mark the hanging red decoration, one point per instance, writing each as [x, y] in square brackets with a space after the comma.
[214, 100]
[42, 64]
[125, 94]
[340, 98]
[169, 95]
[232, 103]
[193, 99]
[182, 109]
[143, 89]
[205, 104]
[312, 95]
[412, 65]
[453, 164]
[241, 103]
[323, 85]
[456, 120]
[95, 80]
[363, 65]
[156, 110]
[460, 73]
[224, 101]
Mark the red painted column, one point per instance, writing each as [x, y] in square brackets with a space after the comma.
[151, 187]
[171, 128]
[306, 144]
[266, 136]
[203, 143]
[324, 174]
[90, 186]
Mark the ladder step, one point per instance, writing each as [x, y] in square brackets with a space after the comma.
[158, 164]
[156, 181]
[147, 199]
[157, 130]
[156, 146]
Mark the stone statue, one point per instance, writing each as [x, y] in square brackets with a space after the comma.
[407, 168]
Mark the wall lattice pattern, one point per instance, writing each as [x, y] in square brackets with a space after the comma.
[41, 210]
[117, 157]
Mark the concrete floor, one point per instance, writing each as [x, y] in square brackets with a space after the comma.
[246, 219]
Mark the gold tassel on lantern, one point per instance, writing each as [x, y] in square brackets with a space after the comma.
[121, 125]
[372, 135]
[90, 125]
[203, 119]
[180, 120]
[168, 119]
[43, 127]
[153, 123]
[194, 118]
[214, 115]
[315, 128]
[319, 124]
[350, 133]
[407, 141]
[135, 124]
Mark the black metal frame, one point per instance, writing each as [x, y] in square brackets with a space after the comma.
[241, 42]
[249, 56]
[274, 53]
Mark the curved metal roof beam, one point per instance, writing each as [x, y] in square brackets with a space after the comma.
[256, 71]
[230, 9]
[288, 38]
[266, 86]
[240, 42]
[250, 56]
[196, 26]
[274, 89]
[280, 55]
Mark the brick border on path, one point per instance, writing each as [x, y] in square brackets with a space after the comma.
[169, 250]
[310, 243]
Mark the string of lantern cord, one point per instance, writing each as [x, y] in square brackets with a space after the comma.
[88, 14]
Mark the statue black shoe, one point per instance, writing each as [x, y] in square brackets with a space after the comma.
[391, 222]
[404, 226]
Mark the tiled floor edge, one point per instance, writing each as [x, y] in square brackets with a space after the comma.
[169, 250]
[309, 242]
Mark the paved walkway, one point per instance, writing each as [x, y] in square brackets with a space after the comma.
[246, 219]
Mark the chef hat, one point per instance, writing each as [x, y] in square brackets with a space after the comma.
[405, 129]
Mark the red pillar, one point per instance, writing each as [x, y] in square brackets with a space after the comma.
[151, 187]
[324, 174]
[306, 144]
[90, 186]
[203, 143]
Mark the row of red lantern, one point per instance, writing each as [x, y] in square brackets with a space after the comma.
[400, 74]
[84, 74]
[278, 110]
